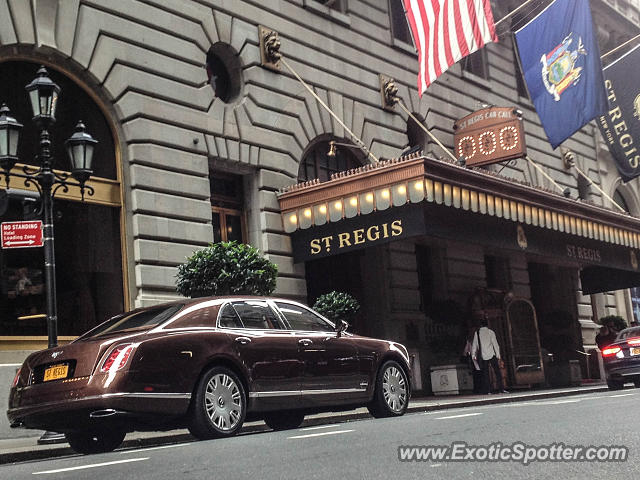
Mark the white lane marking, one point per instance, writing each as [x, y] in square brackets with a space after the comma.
[321, 434]
[138, 450]
[95, 465]
[10, 364]
[558, 402]
[435, 465]
[318, 428]
[621, 395]
[460, 416]
[541, 403]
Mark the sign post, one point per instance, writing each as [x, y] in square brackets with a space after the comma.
[25, 234]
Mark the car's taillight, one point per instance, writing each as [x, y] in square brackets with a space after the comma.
[117, 358]
[16, 378]
[609, 351]
[634, 341]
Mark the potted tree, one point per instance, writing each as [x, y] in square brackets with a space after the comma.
[226, 268]
[337, 306]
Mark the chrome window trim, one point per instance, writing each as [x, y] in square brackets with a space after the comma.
[285, 393]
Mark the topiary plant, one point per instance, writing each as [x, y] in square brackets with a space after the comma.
[226, 268]
[617, 320]
[337, 306]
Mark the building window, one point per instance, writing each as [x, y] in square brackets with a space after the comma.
[498, 273]
[399, 25]
[88, 243]
[521, 86]
[584, 188]
[415, 136]
[619, 199]
[317, 163]
[476, 64]
[227, 207]
[224, 72]
[338, 5]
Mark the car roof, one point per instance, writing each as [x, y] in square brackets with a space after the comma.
[195, 301]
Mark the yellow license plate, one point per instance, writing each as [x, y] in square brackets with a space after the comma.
[635, 350]
[56, 372]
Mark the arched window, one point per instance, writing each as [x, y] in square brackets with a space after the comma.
[88, 245]
[415, 136]
[317, 163]
[619, 199]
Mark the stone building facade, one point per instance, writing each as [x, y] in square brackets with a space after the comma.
[189, 107]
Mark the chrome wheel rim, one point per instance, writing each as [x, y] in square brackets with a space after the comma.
[223, 402]
[394, 388]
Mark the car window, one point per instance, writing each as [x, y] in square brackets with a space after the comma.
[229, 318]
[303, 319]
[257, 314]
[134, 320]
[629, 333]
[197, 316]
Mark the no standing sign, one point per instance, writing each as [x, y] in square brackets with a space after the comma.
[22, 234]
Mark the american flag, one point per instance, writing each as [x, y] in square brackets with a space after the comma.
[445, 31]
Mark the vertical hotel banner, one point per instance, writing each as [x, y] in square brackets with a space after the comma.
[561, 66]
[620, 126]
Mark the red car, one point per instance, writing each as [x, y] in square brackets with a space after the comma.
[207, 364]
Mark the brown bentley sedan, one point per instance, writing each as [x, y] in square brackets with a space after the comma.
[207, 364]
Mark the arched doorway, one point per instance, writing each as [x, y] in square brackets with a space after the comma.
[340, 272]
[89, 241]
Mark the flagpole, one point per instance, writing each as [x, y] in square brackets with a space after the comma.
[545, 174]
[510, 14]
[602, 192]
[355, 138]
[620, 46]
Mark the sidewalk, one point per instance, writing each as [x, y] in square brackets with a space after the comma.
[26, 448]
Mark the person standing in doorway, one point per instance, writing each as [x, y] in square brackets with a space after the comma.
[486, 352]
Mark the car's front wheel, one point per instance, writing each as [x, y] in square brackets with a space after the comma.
[284, 420]
[391, 397]
[219, 406]
[95, 442]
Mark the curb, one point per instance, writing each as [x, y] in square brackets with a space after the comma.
[54, 452]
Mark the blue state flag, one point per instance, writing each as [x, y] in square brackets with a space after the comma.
[561, 65]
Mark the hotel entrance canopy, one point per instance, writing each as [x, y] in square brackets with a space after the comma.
[417, 195]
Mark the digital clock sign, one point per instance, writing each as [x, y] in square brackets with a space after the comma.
[490, 135]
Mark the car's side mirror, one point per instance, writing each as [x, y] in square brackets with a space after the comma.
[341, 326]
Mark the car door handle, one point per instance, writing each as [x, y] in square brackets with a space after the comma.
[243, 340]
[305, 342]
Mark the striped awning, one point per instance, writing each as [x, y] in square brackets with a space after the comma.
[416, 179]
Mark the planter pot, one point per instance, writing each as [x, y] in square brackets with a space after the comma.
[451, 379]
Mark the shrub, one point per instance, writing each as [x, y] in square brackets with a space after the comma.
[226, 268]
[337, 306]
[617, 320]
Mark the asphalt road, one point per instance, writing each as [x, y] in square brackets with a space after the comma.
[369, 448]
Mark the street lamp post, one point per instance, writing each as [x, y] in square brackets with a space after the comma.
[43, 94]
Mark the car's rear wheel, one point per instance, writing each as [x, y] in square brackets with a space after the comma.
[636, 383]
[284, 420]
[95, 442]
[219, 406]
[391, 396]
[614, 385]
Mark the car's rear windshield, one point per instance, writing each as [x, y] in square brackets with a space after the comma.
[134, 320]
[632, 332]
